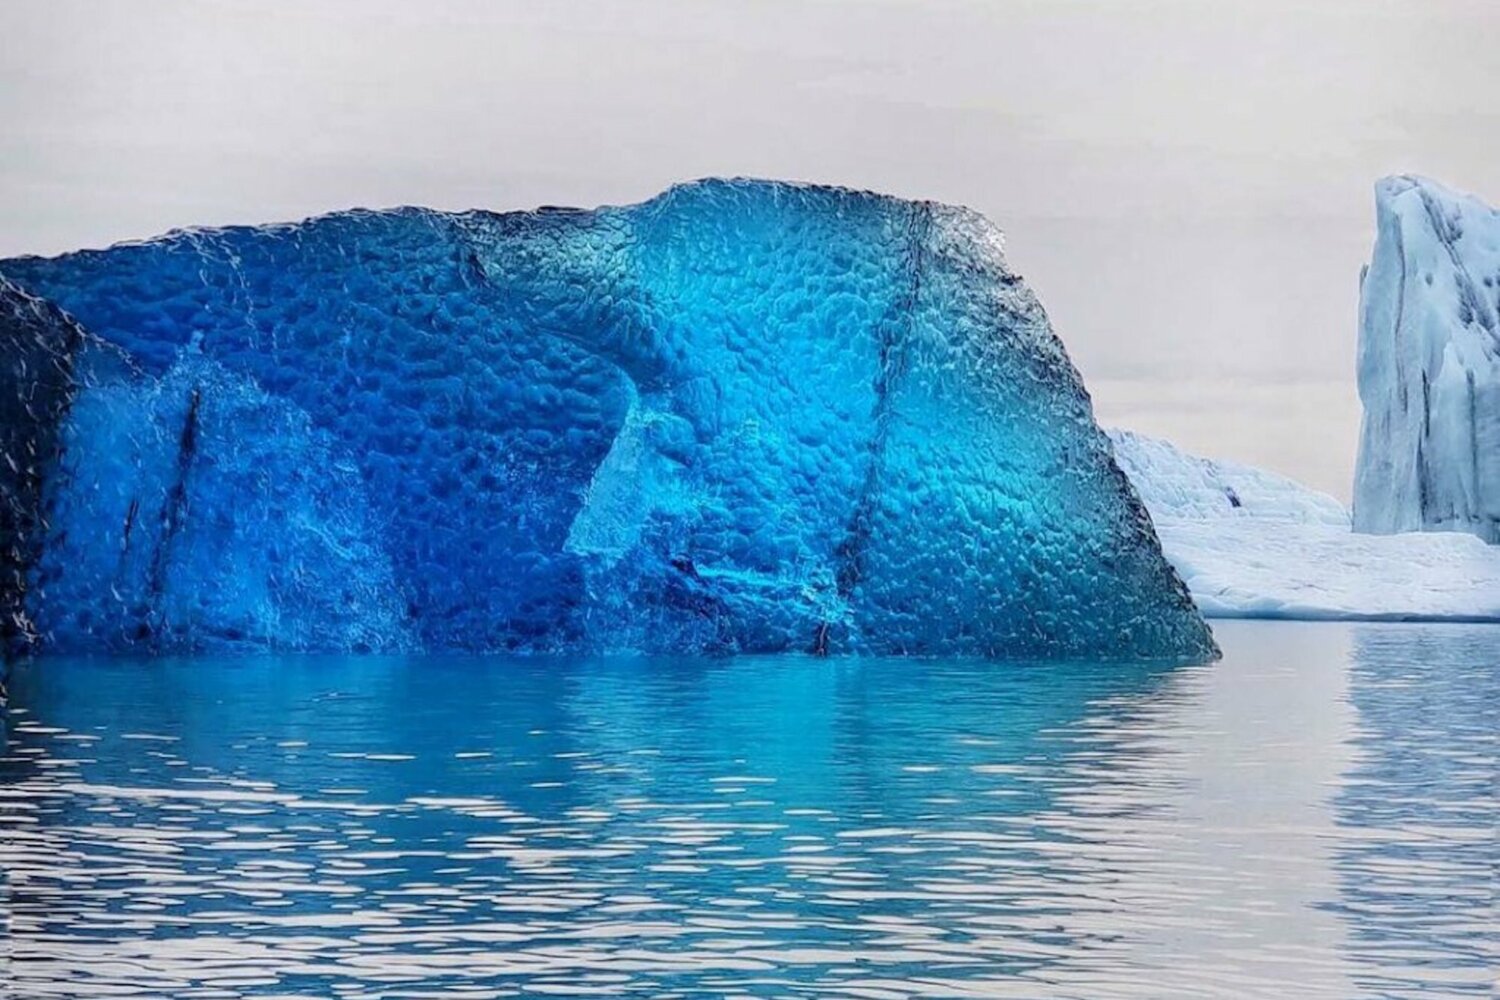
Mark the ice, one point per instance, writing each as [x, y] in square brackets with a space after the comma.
[1177, 486]
[1286, 551]
[218, 514]
[106, 542]
[1429, 365]
[740, 416]
[39, 346]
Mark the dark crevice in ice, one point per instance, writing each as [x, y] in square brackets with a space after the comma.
[1473, 426]
[1426, 406]
[896, 335]
[1424, 485]
[1400, 310]
[173, 511]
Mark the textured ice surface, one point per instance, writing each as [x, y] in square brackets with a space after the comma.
[1429, 364]
[739, 416]
[1178, 486]
[1252, 544]
[39, 346]
[108, 539]
[219, 516]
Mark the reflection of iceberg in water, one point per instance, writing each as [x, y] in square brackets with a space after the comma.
[1418, 882]
[1194, 823]
[677, 825]
[780, 826]
[883, 835]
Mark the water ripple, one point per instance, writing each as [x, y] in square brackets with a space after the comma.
[1313, 817]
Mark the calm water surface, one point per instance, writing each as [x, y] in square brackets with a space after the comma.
[1313, 817]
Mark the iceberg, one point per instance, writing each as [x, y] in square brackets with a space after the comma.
[1429, 365]
[1252, 544]
[740, 416]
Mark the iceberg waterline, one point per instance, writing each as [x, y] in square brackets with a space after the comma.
[740, 416]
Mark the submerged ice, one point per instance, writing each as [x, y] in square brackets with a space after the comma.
[1429, 365]
[740, 416]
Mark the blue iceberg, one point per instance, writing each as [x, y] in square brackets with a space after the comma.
[741, 416]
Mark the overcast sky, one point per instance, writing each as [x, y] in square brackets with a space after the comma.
[1186, 183]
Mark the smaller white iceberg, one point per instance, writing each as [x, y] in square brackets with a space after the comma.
[1252, 544]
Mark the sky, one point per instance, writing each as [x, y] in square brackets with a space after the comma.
[1187, 184]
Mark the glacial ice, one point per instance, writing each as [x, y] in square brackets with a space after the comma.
[739, 416]
[41, 348]
[1429, 365]
[1177, 486]
[1252, 544]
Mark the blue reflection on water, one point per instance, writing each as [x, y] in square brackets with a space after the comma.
[1315, 814]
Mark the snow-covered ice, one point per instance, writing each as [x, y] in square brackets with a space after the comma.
[1179, 486]
[1252, 544]
[1429, 364]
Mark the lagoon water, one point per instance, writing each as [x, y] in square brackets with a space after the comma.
[1314, 816]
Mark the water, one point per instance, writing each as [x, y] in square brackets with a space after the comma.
[1315, 816]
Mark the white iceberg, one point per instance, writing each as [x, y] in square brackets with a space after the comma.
[1429, 364]
[1251, 544]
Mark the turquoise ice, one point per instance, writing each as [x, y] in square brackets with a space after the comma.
[741, 416]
